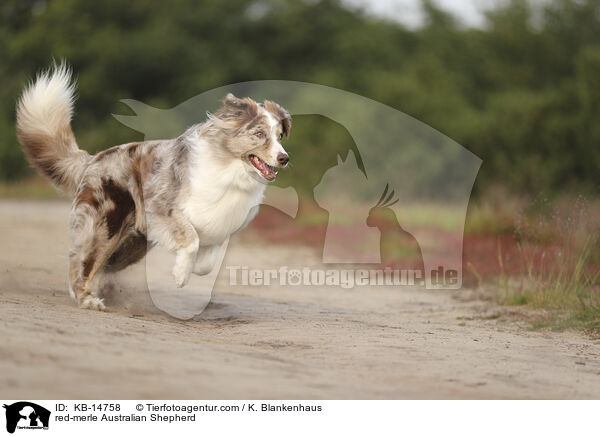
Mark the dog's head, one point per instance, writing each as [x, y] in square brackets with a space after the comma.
[253, 133]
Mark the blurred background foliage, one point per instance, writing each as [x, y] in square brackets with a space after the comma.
[522, 92]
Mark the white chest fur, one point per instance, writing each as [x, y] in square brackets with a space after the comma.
[221, 197]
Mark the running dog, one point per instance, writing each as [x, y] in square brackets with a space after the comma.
[188, 194]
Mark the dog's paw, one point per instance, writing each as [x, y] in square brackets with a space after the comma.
[184, 263]
[92, 303]
[181, 274]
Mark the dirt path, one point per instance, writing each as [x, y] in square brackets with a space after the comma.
[262, 342]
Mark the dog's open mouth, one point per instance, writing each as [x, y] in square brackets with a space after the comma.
[265, 170]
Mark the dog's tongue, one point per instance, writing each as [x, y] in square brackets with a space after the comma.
[267, 171]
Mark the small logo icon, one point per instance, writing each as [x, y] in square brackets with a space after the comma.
[26, 415]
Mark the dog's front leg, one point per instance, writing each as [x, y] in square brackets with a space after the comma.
[184, 263]
[177, 234]
[206, 259]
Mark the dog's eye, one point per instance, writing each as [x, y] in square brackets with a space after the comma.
[280, 136]
[260, 134]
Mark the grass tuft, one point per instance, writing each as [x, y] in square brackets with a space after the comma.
[567, 289]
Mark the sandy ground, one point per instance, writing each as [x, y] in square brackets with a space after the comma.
[262, 342]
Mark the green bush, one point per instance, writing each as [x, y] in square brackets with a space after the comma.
[523, 93]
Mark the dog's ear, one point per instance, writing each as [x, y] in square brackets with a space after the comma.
[231, 100]
[287, 125]
[280, 114]
[242, 109]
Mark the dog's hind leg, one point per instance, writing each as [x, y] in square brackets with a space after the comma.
[73, 273]
[91, 248]
[83, 271]
[74, 270]
[84, 253]
[90, 274]
[100, 219]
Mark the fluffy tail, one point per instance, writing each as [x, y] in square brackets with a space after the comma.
[44, 128]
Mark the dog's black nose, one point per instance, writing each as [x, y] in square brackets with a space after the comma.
[283, 159]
